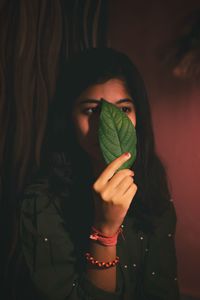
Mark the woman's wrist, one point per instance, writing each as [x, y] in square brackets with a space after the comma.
[101, 238]
[107, 229]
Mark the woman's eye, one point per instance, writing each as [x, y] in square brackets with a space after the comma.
[126, 109]
[90, 110]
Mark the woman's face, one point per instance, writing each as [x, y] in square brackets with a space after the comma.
[86, 110]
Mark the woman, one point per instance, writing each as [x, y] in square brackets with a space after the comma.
[88, 230]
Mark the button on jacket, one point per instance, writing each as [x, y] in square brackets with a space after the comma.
[54, 240]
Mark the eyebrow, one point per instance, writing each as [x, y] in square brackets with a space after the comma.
[98, 101]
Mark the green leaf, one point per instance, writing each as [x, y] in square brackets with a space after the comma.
[117, 134]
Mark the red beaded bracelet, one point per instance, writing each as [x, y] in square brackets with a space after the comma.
[101, 264]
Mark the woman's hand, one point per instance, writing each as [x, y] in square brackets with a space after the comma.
[113, 194]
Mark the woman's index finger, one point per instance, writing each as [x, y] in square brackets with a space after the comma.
[114, 166]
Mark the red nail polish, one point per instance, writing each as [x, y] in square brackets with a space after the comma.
[127, 154]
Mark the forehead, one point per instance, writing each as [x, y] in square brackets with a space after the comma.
[111, 90]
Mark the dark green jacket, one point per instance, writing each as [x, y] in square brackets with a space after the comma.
[53, 245]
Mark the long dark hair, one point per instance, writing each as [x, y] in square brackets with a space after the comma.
[94, 66]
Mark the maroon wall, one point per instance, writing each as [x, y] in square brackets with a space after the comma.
[143, 29]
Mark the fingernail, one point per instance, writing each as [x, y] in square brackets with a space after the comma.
[128, 154]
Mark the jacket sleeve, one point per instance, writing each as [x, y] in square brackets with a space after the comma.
[49, 252]
[160, 266]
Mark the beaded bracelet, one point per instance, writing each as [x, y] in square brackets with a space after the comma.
[101, 264]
